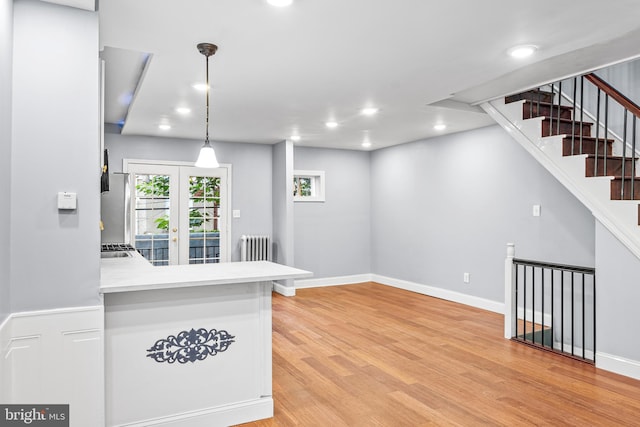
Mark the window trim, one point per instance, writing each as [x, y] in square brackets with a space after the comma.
[317, 185]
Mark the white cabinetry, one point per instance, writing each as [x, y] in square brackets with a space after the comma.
[194, 350]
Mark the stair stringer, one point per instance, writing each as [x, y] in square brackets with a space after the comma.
[620, 217]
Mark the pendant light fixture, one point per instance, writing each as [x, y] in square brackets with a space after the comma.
[207, 157]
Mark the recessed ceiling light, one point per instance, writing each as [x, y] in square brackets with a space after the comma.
[440, 126]
[280, 3]
[332, 124]
[183, 110]
[199, 86]
[369, 111]
[295, 137]
[366, 144]
[523, 51]
[164, 126]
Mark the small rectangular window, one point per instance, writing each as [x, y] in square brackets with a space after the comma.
[308, 186]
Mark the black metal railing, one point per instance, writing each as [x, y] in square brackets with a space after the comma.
[204, 248]
[555, 308]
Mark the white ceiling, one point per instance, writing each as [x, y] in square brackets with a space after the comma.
[79, 4]
[284, 71]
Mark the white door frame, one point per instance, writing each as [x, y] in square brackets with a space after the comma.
[225, 241]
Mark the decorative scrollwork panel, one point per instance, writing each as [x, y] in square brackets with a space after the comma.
[190, 346]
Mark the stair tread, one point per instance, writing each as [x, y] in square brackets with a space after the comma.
[523, 95]
[548, 104]
[577, 122]
[545, 92]
[588, 141]
[590, 138]
[602, 156]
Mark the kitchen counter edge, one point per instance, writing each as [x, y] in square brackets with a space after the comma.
[123, 276]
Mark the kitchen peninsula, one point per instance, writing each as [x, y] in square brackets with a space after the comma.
[188, 345]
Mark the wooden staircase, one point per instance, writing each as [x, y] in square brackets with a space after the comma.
[578, 140]
[579, 147]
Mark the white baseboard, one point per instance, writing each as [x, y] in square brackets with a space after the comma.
[537, 316]
[287, 291]
[618, 365]
[332, 281]
[485, 304]
[214, 417]
[56, 356]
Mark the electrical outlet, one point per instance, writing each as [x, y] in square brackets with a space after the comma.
[466, 278]
[536, 210]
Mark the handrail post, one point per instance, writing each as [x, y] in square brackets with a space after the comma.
[509, 292]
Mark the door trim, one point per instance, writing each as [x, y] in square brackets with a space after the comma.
[227, 209]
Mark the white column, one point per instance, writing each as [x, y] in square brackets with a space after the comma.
[283, 230]
[509, 293]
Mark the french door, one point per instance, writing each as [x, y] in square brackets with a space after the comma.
[179, 213]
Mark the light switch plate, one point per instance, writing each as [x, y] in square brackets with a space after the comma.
[536, 210]
[236, 213]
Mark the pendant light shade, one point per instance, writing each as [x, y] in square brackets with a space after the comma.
[207, 157]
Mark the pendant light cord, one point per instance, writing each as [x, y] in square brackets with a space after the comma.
[207, 119]
[207, 156]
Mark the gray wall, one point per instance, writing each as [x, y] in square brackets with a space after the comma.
[448, 205]
[618, 294]
[625, 77]
[54, 254]
[6, 61]
[250, 181]
[333, 238]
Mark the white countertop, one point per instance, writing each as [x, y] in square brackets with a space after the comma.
[136, 274]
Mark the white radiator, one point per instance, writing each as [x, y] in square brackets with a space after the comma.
[255, 248]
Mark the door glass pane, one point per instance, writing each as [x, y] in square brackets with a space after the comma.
[204, 219]
[151, 220]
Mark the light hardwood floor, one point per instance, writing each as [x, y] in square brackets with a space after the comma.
[372, 355]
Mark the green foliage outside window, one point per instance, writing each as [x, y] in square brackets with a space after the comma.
[202, 190]
[301, 186]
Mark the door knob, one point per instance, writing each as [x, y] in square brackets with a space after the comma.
[175, 229]
[175, 239]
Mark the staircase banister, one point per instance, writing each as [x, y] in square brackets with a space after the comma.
[614, 93]
[509, 293]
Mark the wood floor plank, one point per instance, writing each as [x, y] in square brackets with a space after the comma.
[372, 355]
